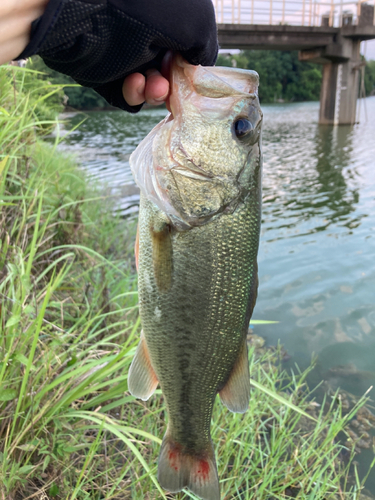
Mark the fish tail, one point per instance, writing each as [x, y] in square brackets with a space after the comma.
[178, 469]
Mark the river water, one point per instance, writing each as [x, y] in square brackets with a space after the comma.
[317, 250]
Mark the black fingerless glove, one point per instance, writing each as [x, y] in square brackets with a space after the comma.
[100, 42]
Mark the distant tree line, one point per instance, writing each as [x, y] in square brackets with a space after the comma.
[282, 78]
[370, 78]
[77, 97]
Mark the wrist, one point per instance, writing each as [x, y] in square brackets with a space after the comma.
[17, 7]
[16, 17]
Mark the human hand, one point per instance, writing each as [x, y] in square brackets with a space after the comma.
[116, 46]
[16, 17]
[152, 88]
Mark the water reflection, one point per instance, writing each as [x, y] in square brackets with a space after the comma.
[316, 260]
[334, 150]
[310, 179]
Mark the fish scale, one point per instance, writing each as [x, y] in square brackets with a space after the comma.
[209, 332]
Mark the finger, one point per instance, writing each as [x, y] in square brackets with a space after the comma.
[157, 87]
[133, 89]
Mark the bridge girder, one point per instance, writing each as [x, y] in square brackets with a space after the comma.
[284, 37]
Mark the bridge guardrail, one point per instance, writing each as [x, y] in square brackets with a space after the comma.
[333, 13]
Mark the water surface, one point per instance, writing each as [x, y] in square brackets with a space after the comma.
[317, 251]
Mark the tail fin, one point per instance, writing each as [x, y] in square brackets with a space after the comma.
[179, 469]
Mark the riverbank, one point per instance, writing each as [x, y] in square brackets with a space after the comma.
[69, 328]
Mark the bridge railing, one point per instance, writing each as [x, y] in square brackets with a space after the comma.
[334, 13]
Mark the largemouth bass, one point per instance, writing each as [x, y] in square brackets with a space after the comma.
[199, 172]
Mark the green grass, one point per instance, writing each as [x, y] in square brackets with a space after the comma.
[69, 327]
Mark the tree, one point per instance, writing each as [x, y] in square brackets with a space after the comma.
[370, 78]
[78, 97]
[281, 74]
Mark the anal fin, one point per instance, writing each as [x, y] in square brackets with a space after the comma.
[142, 380]
[235, 395]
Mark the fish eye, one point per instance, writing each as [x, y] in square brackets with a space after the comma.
[242, 127]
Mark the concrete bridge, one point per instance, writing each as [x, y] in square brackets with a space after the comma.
[325, 32]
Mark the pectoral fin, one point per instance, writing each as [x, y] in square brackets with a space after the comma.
[142, 380]
[235, 394]
[162, 257]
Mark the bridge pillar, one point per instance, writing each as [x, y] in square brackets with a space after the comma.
[339, 91]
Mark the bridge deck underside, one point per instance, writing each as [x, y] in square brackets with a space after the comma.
[283, 37]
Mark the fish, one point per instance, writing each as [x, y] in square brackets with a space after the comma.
[349, 370]
[199, 174]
